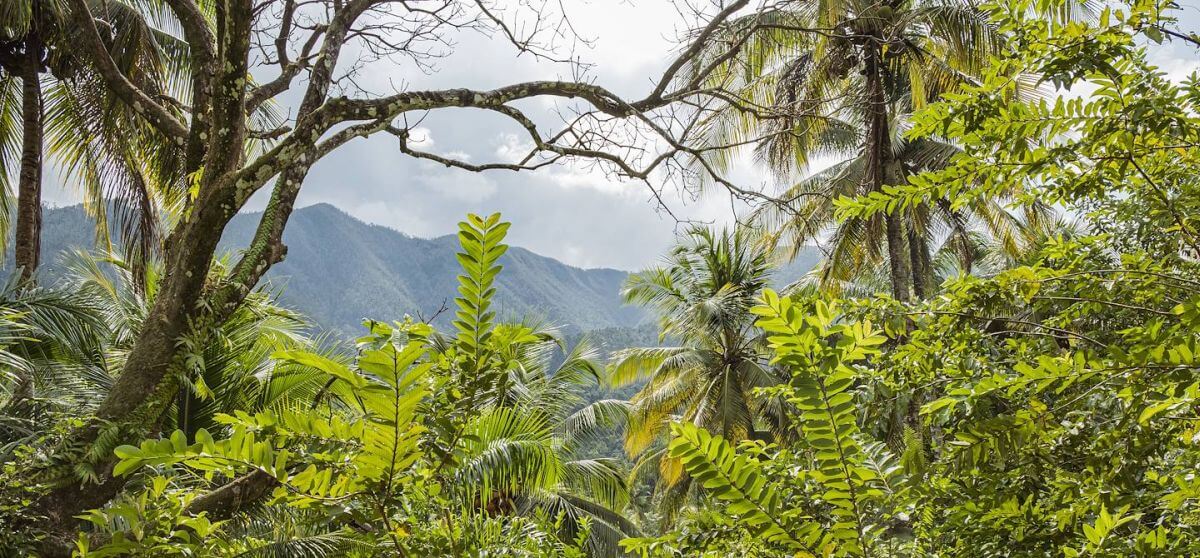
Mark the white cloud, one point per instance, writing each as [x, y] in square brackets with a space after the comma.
[571, 176]
[574, 212]
[421, 137]
[511, 148]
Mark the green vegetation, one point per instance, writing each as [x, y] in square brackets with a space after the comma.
[964, 374]
[55, 107]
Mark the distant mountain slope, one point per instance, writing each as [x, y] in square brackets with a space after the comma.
[340, 270]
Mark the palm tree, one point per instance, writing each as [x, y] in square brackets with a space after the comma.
[527, 431]
[854, 246]
[227, 367]
[52, 359]
[23, 58]
[122, 166]
[69, 342]
[843, 87]
[702, 296]
[510, 453]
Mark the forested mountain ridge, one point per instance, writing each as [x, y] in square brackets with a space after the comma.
[340, 270]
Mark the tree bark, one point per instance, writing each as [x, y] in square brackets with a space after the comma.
[227, 500]
[922, 264]
[899, 259]
[143, 391]
[883, 168]
[27, 241]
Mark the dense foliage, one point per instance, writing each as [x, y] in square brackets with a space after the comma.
[1053, 398]
[1023, 386]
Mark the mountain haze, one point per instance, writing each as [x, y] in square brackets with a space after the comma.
[340, 270]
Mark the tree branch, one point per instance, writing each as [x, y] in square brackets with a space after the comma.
[157, 115]
[228, 499]
[195, 29]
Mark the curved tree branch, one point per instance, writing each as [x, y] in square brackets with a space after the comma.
[157, 115]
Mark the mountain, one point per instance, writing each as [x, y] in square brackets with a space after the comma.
[340, 270]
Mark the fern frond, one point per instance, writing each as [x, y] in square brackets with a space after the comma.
[737, 480]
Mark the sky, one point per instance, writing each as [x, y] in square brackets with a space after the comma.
[573, 213]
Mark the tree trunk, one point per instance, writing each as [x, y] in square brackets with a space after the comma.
[150, 379]
[922, 264]
[240, 493]
[882, 168]
[899, 259]
[145, 388]
[27, 243]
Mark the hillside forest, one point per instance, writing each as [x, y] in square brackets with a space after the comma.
[992, 351]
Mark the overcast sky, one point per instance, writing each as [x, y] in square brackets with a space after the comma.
[573, 214]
